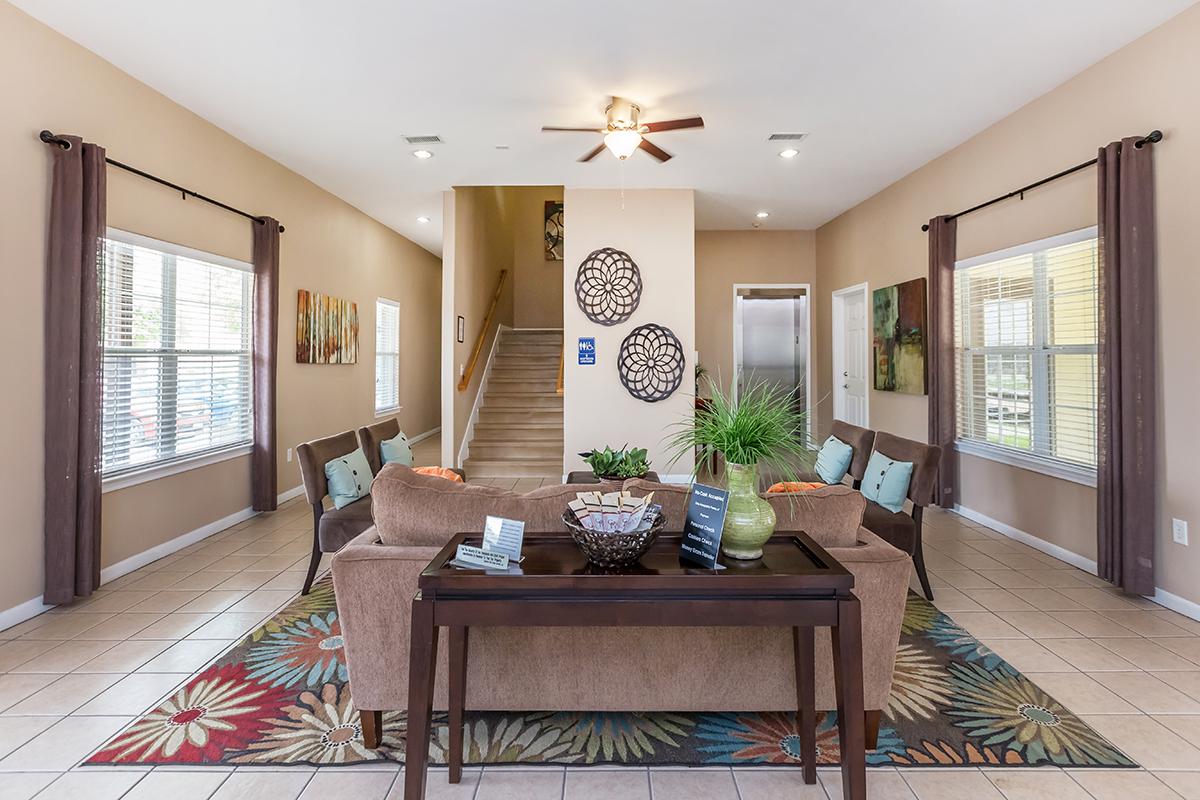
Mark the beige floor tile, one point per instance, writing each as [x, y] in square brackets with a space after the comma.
[1081, 693]
[163, 579]
[985, 624]
[951, 599]
[278, 561]
[1027, 655]
[133, 694]
[92, 784]
[979, 561]
[1186, 682]
[166, 601]
[1147, 623]
[1186, 725]
[685, 784]
[162, 784]
[1010, 579]
[1048, 600]
[120, 627]
[1189, 648]
[66, 626]
[1086, 655]
[360, 785]
[174, 626]
[1145, 740]
[882, 784]
[67, 657]
[288, 580]
[951, 785]
[236, 564]
[277, 785]
[1055, 578]
[108, 602]
[518, 784]
[126, 656]
[201, 581]
[1190, 625]
[601, 784]
[215, 601]
[1093, 624]
[1146, 654]
[1036, 784]
[228, 625]
[263, 600]
[1098, 599]
[1038, 625]
[998, 600]
[248, 580]
[1148, 693]
[16, 731]
[1186, 784]
[17, 652]
[186, 656]
[24, 785]
[16, 687]
[64, 743]
[437, 787]
[1123, 784]
[64, 695]
[964, 579]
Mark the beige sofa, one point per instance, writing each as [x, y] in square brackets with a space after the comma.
[599, 669]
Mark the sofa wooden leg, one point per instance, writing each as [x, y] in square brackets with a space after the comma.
[918, 556]
[372, 727]
[872, 728]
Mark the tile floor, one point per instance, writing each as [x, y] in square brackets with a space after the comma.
[71, 678]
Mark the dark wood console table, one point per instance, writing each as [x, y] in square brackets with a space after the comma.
[795, 584]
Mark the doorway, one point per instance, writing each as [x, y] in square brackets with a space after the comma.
[771, 339]
[851, 355]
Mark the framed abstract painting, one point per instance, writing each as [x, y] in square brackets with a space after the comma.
[554, 230]
[899, 338]
[326, 329]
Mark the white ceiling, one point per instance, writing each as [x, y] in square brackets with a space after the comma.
[329, 88]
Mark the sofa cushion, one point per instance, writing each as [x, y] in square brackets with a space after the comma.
[340, 525]
[349, 478]
[396, 450]
[895, 528]
[833, 460]
[423, 510]
[886, 481]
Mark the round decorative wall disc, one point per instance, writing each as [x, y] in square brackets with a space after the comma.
[650, 362]
[608, 286]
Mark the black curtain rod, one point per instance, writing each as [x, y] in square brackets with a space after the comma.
[1150, 138]
[50, 138]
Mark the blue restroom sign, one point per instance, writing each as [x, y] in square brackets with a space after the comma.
[587, 349]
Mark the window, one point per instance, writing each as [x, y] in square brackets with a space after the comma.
[1025, 334]
[176, 349]
[387, 356]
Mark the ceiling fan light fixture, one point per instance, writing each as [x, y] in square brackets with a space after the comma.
[622, 142]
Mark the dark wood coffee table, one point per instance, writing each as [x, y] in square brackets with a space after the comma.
[795, 584]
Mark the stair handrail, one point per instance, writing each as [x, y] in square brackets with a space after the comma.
[562, 355]
[465, 380]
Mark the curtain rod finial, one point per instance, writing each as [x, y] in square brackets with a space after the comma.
[50, 138]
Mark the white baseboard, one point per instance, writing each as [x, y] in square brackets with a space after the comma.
[31, 608]
[420, 437]
[1163, 598]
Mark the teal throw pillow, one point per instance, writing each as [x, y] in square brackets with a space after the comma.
[396, 451]
[833, 459]
[886, 481]
[349, 478]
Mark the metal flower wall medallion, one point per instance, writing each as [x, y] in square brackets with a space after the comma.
[650, 363]
[608, 286]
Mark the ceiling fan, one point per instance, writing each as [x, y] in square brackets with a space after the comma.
[623, 135]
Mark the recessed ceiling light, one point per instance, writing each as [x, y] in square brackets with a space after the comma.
[501, 147]
[422, 154]
[790, 152]
[423, 220]
[762, 215]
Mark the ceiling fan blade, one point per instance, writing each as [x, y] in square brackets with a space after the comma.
[654, 150]
[674, 124]
[546, 128]
[593, 153]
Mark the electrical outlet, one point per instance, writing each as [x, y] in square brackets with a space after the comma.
[289, 455]
[1179, 531]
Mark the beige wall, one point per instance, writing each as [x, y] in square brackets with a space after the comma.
[1149, 84]
[538, 288]
[724, 258]
[49, 82]
[657, 228]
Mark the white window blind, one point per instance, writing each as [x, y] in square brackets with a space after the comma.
[1025, 332]
[387, 356]
[176, 348]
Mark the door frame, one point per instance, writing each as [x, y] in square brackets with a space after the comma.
[838, 318]
[808, 365]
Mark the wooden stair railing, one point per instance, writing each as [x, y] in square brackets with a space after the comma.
[562, 354]
[465, 380]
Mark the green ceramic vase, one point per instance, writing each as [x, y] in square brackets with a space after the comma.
[749, 520]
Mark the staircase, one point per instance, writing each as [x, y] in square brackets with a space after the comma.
[519, 431]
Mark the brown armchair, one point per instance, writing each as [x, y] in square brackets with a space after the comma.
[335, 527]
[371, 436]
[899, 529]
[860, 440]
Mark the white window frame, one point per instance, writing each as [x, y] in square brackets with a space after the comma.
[1077, 473]
[155, 471]
[388, 411]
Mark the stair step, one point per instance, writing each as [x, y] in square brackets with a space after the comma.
[491, 468]
[505, 416]
[523, 401]
[518, 432]
[523, 451]
[523, 385]
[526, 362]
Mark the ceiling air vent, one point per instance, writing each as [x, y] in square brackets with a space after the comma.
[786, 137]
[423, 139]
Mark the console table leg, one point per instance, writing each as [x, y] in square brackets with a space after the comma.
[806, 699]
[847, 675]
[458, 698]
[422, 666]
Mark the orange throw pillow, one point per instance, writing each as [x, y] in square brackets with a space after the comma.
[439, 472]
[787, 487]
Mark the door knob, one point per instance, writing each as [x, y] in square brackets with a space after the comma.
[845, 374]
[845, 386]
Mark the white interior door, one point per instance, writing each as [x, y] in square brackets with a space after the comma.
[851, 356]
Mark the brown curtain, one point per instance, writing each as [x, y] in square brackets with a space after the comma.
[940, 356]
[74, 254]
[263, 477]
[1126, 484]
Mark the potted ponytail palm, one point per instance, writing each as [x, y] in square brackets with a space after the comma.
[760, 427]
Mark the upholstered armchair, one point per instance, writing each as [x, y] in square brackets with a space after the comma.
[371, 436]
[860, 440]
[334, 527]
[903, 529]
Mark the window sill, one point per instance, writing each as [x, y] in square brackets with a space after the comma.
[380, 413]
[155, 471]
[1055, 469]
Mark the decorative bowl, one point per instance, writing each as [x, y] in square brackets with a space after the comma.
[613, 549]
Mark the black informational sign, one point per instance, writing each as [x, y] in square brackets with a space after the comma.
[702, 529]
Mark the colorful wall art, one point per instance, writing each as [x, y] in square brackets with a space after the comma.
[554, 230]
[899, 341]
[326, 329]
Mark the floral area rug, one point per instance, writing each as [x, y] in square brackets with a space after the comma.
[280, 697]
